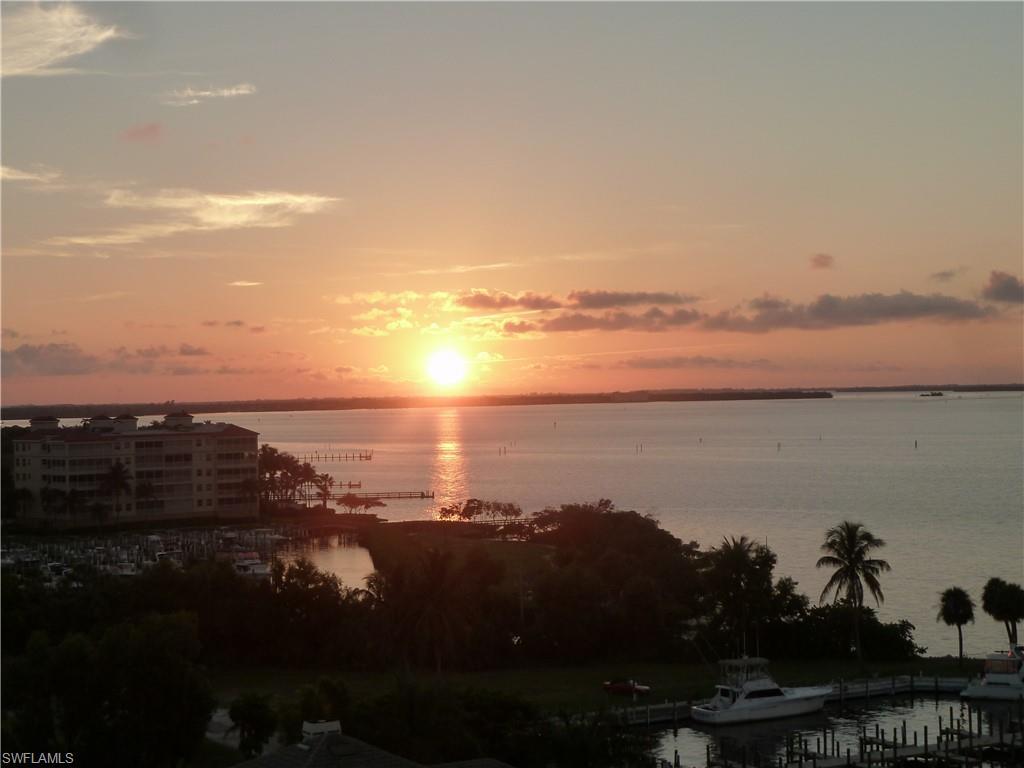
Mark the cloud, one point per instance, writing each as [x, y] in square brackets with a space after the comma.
[103, 296]
[48, 360]
[369, 331]
[345, 369]
[243, 284]
[945, 275]
[143, 133]
[211, 323]
[188, 96]
[822, 261]
[41, 177]
[257, 329]
[612, 299]
[696, 361]
[482, 299]
[10, 333]
[187, 210]
[188, 350]
[653, 320]
[39, 36]
[235, 323]
[458, 269]
[1004, 287]
[827, 311]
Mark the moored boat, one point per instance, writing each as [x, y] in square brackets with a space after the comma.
[1002, 679]
[746, 692]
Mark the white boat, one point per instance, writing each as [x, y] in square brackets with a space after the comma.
[747, 692]
[1003, 678]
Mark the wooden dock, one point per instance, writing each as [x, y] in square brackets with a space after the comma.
[384, 495]
[349, 454]
[953, 742]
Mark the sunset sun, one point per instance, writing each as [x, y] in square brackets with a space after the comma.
[447, 367]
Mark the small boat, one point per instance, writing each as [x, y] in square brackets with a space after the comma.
[932, 394]
[746, 692]
[1003, 678]
[625, 687]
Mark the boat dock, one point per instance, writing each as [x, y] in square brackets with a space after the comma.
[955, 741]
[845, 690]
[385, 495]
[349, 454]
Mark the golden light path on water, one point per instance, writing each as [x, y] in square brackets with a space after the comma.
[449, 471]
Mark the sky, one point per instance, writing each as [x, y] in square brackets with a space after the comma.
[259, 200]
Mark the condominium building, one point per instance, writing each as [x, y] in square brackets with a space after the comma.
[177, 468]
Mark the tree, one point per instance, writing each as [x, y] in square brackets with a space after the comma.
[116, 481]
[324, 485]
[849, 547]
[956, 608]
[52, 500]
[740, 578]
[75, 503]
[1004, 602]
[255, 721]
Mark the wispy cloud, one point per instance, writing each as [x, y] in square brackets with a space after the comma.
[611, 299]
[40, 177]
[769, 313]
[945, 275]
[458, 269]
[188, 96]
[143, 133]
[498, 300]
[696, 361]
[103, 296]
[244, 284]
[40, 36]
[187, 210]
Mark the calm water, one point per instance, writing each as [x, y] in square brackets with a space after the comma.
[951, 510]
[768, 739]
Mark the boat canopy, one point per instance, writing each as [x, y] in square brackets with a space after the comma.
[737, 671]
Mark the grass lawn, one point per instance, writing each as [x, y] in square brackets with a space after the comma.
[397, 543]
[576, 689]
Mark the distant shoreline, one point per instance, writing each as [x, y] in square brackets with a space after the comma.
[69, 410]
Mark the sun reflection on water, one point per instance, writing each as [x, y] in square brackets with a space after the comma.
[449, 470]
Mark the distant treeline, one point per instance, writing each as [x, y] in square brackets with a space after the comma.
[68, 410]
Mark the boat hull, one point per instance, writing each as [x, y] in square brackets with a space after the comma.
[993, 692]
[798, 702]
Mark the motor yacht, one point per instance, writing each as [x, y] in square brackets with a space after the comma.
[746, 692]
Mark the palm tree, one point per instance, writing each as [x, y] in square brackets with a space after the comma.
[115, 482]
[1004, 602]
[848, 547]
[741, 580]
[956, 609]
[324, 483]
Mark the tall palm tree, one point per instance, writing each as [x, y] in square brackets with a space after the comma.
[324, 484]
[956, 608]
[848, 547]
[740, 577]
[116, 481]
[1004, 602]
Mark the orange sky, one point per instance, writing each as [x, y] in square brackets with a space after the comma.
[259, 200]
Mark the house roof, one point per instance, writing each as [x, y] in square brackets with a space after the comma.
[85, 435]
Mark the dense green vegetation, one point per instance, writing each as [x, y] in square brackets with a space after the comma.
[542, 609]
